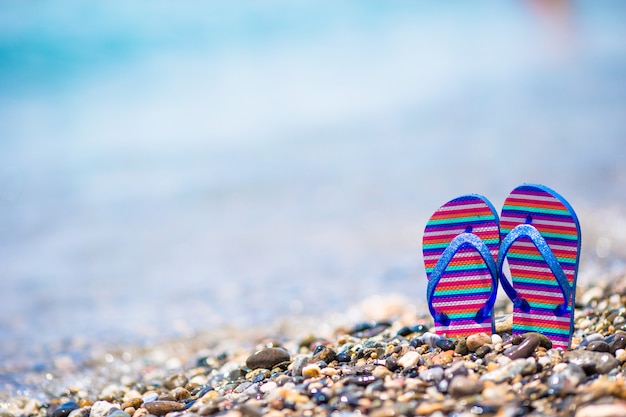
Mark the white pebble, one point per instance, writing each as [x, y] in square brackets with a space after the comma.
[584, 324]
[101, 408]
[270, 386]
[409, 359]
[495, 338]
[620, 355]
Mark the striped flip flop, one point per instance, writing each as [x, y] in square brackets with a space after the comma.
[541, 242]
[460, 245]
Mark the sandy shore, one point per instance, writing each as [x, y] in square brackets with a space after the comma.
[379, 359]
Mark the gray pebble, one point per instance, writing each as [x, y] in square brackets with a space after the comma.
[507, 372]
[565, 381]
[299, 362]
[432, 374]
[592, 362]
[462, 386]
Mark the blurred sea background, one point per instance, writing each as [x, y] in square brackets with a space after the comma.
[168, 168]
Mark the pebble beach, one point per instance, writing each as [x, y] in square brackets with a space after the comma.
[393, 366]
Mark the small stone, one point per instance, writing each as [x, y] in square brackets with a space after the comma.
[620, 355]
[592, 362]
[477, 340]
[544, 341]
[594, 293]
[160, 408]
[80, 412]
[599, 346]
[443, 358]
[100, 408]
[461, 347]
[483, 350]
[430, 339]
[133, 402]
[504, 324]
[311, 371]
[603, 410]
[495, 338]
[507, 372]
[426, 409]
[409, 359]
[65, 409]
[299, 362]
[432, 375]
[391, 363]
[267, 358]
[524, 349]
[566, 380]
[445, 344]
[116, 412]
[456, 369]
[462, 386]
[325, 354]
[343, 357]
[381, 372]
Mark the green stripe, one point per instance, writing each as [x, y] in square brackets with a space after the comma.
[524, 208]
[539, 329]
[536, 281]
[445, 244]
[454, 220]
[469, 315]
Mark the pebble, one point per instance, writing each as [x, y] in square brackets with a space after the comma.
[409, 359]
[267, 358]
[100, 408]
[566, 380]
[477, 340]
[462, 386]
[299, 362]
[65, 409]
[603, 410]
[524, 349]
[510, 371]
[160, 408]
[373, 369]
[592, 362]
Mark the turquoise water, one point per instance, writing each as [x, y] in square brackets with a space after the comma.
[168, 169]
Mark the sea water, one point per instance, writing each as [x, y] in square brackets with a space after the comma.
[172, 169]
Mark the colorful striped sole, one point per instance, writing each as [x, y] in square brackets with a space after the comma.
[531, 276]
[466, 283]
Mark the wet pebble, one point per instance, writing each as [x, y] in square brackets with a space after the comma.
[65, 409]
[565, 381]
[510, 371]
[592, 362]
[524, 349]
[599, 346]
[432, 375]
[445, 344]
[267, 358]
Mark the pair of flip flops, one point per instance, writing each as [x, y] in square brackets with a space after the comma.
[465, 245]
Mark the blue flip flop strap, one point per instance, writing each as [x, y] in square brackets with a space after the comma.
[530, 232]
[460, 241]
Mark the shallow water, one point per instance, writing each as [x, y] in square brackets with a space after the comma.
[169, 171]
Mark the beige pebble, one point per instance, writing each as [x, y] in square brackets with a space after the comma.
[409, 359]
[311, 371]
[427, 409]
[381, 372]
[474, 341]
[603, 410]
[160, 408]
[620, 355]
[328, 371]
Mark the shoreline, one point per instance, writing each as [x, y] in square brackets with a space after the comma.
[388, 364]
